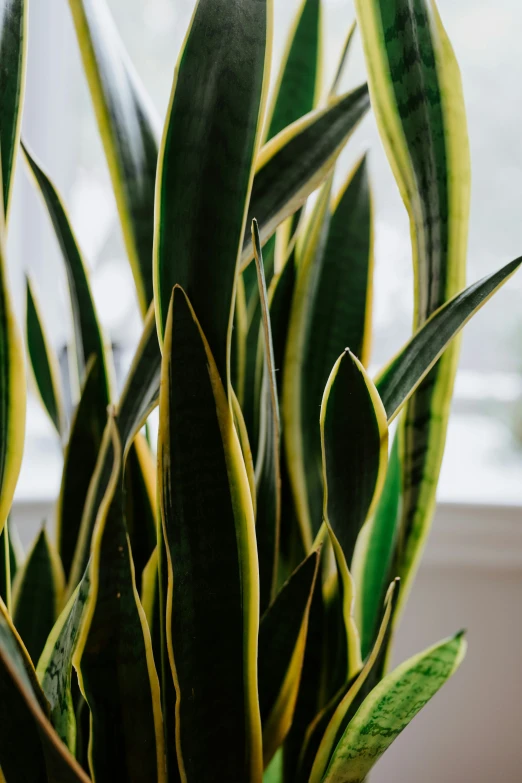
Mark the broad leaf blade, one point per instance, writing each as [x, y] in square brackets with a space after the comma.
[268, 463]
[389, 708]
[354, 440]
[30, 749]
[408, 54]
[114, 657]
[37, 595]
[282, 638]
[298, 84]
[13, 56]
[44, 362]
[129, 131]
[212, 600]
[402, 376]
[298, 160]
[203, 188]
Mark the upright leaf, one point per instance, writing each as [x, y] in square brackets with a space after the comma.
[204, 187]
[417, 96]
[30, 749]
[268, 464]
[129, 131]
[347, 47]
[44, 362]
[140, 501]
[13, 56]
[282, 638]
[113, 656]
[212, 599]
[389, 708]
[354, 439]
[298, 82]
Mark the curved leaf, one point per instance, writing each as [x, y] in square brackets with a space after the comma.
[37, 595]
[212, 601]
[242, 433]
[390, 707]
[129, 131]
[402, 376]
[203, 187]
[282, 637]
[297, 161]
[417, 95]
[10, 559]
[55, 665]
[44, 363]
[113, 656]
[30, 749]
[268, 463]
[89, 340]
[298, 83]
[13, 57]
[80, 458]
[354, 440]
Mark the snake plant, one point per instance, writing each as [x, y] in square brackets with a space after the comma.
[220, 605]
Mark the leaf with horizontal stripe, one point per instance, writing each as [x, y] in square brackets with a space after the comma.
[44, 362]
[113, 656]
[390, 707]
[129, 130]
[212, 600]
[282, 638]
[37, 595]
[30, 749]
[13, 58]
[204, 185]
[354, 440]
[416, 90]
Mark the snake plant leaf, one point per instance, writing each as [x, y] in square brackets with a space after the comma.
[11, 557]
[274, 772]
[347, 47]
[113, 655]
[212, 600]
[240, 425]
[203, 190]
[129, 130]
[354, 440]
[44, 362]
[13, 57]
[332, 309]
[150, 600]
[268, 463]
[298, 83]
[54, 668]
[330, 724]
[403, 374]
[139, 396]
[426, 141]
[30, 749]
[89, 340]
[373, 555]
[12, 389]
[140, 501]
[298, 160]
[301, 476]
[239, 342]
[390, 707]
[282, 637]
[80, 458]
[37, 595]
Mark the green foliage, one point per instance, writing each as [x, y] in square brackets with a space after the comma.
[220, 606]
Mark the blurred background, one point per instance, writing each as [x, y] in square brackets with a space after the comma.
[472, 575]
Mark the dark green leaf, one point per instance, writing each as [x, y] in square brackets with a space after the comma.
[13, 50]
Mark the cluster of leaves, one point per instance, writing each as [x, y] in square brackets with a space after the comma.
[221, 607]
